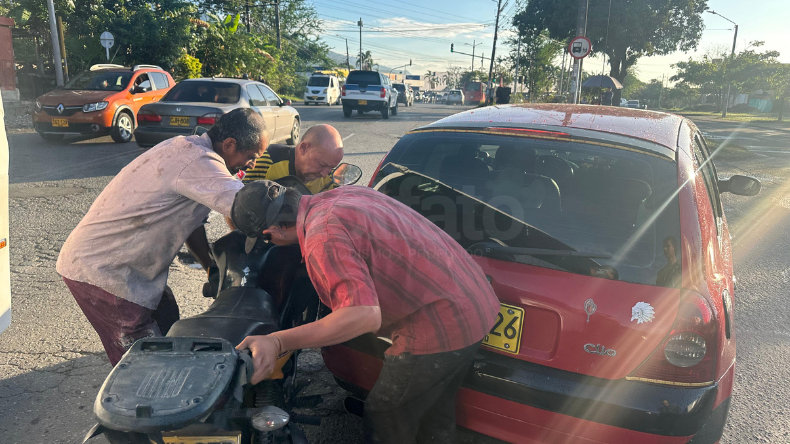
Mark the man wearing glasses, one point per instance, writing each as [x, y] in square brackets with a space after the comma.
[311, 161]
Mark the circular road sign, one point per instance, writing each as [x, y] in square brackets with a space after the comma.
[580, 47]
[106, 39]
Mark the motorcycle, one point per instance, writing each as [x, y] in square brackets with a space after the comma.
[192, 386]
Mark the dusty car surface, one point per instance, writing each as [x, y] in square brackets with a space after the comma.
[602, 232]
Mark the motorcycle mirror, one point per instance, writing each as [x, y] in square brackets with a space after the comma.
[270, 418]
[346, 174]
[200, 130]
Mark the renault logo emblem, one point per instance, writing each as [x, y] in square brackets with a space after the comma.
[60, 108]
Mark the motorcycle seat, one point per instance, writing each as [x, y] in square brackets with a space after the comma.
[237, 312]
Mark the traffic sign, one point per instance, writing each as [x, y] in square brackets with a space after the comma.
[580, 47]
[107, 40]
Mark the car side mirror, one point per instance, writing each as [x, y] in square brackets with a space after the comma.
[132, 90]
[346, 174]
[286, 102]
[740, 185]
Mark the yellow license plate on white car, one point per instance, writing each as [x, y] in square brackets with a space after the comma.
[363, 102]
[230, 439]
[179, 121]
[60, 123]
[505, 335]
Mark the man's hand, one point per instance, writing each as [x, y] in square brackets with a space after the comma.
[265, 350]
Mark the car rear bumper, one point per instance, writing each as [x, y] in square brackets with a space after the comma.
[372, 105]
[151, 135]
[522, 402]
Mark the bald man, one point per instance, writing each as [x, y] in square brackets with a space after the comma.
[311, 161]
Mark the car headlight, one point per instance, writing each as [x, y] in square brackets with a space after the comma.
[38, 106]
[323, 91]
[89, 107]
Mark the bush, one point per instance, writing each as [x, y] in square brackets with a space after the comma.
[703, 107]
[188, 67]
[744, 108]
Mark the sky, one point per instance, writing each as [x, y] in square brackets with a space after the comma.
[422, 30]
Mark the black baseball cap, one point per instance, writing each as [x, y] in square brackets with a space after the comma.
[257, 207]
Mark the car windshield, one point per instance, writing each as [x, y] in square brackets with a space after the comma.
[197, 91]
[616, 202]
[100, 81]
[318, 81]
[363, 78]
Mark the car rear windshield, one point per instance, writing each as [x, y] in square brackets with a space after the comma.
[363, 78]
[400, 88]
[197, 91]
[318, 81]
[473, 87]
[614, 201]
[100, 81]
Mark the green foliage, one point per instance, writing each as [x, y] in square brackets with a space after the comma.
[227, 51]
[188, 67]
[536, 64]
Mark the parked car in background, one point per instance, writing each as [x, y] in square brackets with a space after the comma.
[101, 101]
[603, 235]
[405, 95]
[441, 97]
[369, 91]
[455, 96]
[200, 102]
[322, 89]
[633, 104]
[623, 102]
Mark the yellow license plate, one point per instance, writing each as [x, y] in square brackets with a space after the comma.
[60, 123]
[363, 102]
[234, 439]
[505, 335]
[179, 121]
[315, 97]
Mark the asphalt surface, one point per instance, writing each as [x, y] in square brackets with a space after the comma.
[52, 364]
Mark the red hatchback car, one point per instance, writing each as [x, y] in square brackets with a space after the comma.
[602, 232]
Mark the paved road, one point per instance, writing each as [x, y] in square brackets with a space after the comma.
[51, 362]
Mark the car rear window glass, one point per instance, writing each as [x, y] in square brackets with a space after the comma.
[399, 87]
[363, 78]
[198, 91]
[100, 81]
[473, 87]
[619, 202]
[318, 81]
[160, 80]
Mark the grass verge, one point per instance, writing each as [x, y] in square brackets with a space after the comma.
[763, 119]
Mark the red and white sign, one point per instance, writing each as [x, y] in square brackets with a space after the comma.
[580, 47]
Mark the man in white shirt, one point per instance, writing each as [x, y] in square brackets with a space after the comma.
[116, 260]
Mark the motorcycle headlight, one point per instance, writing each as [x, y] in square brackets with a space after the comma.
[270, 418]
[89, 107]
[38, 106]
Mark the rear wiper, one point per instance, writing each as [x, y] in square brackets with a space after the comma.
[540, 252]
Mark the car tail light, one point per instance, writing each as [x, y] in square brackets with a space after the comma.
[343, 91]
[148, 117]
[383, 92]
[687, 355]
[208, 119]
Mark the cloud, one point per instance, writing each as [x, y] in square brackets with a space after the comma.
[405, 27]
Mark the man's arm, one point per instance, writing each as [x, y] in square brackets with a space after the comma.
[339, 326]
[197, 244]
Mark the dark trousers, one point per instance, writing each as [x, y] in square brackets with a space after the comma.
[413, 401]
[119, 322]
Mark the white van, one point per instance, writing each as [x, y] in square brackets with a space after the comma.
[5, 274]
[322, 89]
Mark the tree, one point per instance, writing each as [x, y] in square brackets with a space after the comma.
[536, 62]
[431, 79]
[365, 61]
[225, 49]
[636, 29]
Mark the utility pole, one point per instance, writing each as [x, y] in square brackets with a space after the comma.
[359, 23]
[277, 22]
[562, 72]
[53, 31]
[518, 59]
[581, 30]
[493, 50]
[63, 50]
[348, 63]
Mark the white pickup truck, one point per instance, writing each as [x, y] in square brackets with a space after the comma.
[369, 91]
[5, 274]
